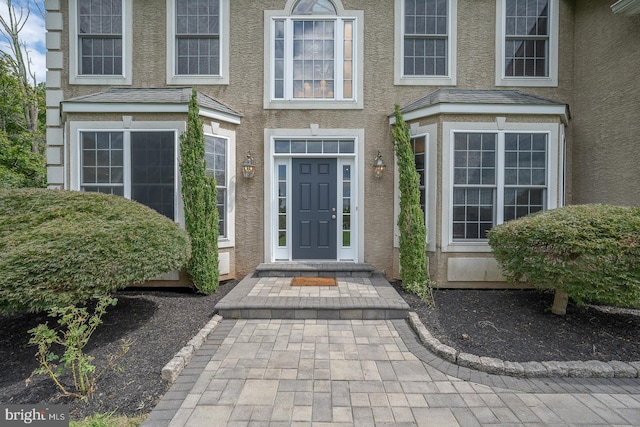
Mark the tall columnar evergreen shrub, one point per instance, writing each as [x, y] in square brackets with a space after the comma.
[413, 255]
[200, 204]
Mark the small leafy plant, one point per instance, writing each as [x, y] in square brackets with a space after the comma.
[76, 327]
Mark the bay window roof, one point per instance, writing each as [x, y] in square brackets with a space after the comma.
[480, 101]
[149, 100]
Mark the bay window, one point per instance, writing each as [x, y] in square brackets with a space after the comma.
[497, 177]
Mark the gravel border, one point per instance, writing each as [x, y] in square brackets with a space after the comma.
[574, 369]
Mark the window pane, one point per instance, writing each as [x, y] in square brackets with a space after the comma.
[198, 55]
[102, 159]
[314, 7]
[474, 158]
[473, 212]
[100, 37]
[521, 201]
[153, 170]
[527, 38]
[313, 59]
[525, 159]
[425, 40]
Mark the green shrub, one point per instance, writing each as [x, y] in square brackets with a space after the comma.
[413, 231]
[60, 248]
[200, 198]
[590, 252]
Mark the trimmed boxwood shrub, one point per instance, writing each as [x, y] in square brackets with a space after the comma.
[60, 248]
[589, 252]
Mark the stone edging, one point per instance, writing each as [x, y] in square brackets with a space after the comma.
[171, 370]
[490, 365]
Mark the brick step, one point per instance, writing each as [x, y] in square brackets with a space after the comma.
[314, 269]
[254, 298]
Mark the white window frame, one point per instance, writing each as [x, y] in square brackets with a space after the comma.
[452, 50]
[214, 129]
[127, 46]
[430, 133]
[552, 79]
[270, 16]
[212, 79]
[354, 252]
[554, 172]
[75, 152]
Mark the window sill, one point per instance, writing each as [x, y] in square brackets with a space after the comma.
[224, 242]
[99, 80]
[527, 82]
[481, 246]
[312, 105]
[198, 80]
[424, 81]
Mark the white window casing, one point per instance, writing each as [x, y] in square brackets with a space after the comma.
[340, 97]
[221, 78]
[75, 75]
[551, 79]
[214, 129]
[403, 78]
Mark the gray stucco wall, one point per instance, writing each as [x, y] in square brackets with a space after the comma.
[476, 69]
[606, 106]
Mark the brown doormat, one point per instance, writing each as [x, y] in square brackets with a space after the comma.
[313, 281]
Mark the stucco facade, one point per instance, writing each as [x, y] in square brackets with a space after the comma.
[588, 169]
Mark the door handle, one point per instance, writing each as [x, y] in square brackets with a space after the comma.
[333, 217]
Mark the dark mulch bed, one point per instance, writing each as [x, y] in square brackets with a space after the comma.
[517, 325]
[160, 323]
[510, 325]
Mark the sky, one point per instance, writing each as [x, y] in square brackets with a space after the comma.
[33, 35]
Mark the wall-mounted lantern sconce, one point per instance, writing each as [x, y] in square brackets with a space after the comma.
[378, 166]
[248, 166]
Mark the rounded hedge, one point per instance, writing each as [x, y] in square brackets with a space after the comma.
[61, 248]
[591, 252]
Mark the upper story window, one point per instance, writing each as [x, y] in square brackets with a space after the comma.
[313, 57]
[100, 37]
[100, 42]
[528, 45]
[425, 51]
[197, 41]
[197, 37]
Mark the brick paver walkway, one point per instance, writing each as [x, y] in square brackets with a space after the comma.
[311, 372]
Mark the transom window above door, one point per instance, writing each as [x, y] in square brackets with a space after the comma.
[313, 55]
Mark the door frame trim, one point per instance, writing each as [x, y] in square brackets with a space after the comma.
[270, 184]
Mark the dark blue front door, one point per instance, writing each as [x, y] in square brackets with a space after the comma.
[314, 209]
